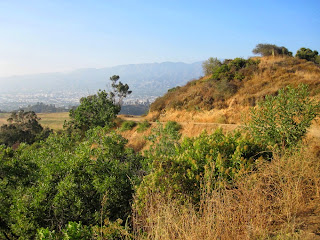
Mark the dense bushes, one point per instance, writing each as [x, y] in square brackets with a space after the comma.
[308, 54]
[213, 90]
[179, 169]
[281, 121]
[71, 186]
[88, 181]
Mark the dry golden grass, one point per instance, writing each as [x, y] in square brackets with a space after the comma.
[3, 118]
[279, 201]
[53, 121]
[194, 101]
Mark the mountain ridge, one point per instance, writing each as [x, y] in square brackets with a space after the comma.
[169, 74]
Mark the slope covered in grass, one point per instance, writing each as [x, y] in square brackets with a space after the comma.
[233, 87]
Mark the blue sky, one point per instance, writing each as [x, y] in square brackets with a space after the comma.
[62, 35]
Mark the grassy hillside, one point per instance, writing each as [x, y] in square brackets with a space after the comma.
[227, 94]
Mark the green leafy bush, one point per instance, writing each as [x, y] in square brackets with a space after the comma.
[72, 230]
[100, 109]
[179, 170]
[143, 126]
[95, 110]
[308, 54]
[282, 121]
[163, 140]
[127, 125]
[71, 182]
[209, 66]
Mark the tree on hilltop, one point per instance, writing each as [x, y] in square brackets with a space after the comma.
[265, 49]
[308, 54]
[209, 66]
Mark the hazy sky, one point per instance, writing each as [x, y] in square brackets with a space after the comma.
[61, 35]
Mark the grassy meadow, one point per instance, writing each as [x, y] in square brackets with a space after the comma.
[51, 120]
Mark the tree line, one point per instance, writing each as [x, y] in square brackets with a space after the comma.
[264, 49]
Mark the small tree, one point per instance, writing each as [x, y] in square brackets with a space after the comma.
[308, 54]
[209, 66]
[99, 109]
[22, 127]
[120, 90]
[283, 120]
[265, 49]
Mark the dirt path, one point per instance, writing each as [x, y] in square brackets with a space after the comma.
[314, 131]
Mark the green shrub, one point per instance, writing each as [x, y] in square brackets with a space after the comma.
[76, 231]
[308, 54]
[282, 121]
[127, 125]
[209, 66]
[71, 181]
[179, 170]
[143, 126]
[163, 140]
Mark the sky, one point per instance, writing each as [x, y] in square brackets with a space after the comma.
[38, 36]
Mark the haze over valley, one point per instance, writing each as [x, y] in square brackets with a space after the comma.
[147, 82]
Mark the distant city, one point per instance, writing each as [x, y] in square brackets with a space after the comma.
[147, 82]
[66, 99]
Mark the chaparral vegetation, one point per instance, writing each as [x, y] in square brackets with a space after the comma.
[92, 181]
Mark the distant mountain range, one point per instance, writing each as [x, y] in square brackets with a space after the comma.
[151, 79]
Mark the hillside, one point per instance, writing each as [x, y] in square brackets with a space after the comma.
[226, 95]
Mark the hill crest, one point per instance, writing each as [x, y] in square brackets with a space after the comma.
[226, 95]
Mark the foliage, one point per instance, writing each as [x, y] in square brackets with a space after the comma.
[77, 231]
[209, 66]
[209, 92]
[14, 174]
[99, 109]
[112, 231]
[281, 121]
[120, 90]
[22, 127]
[173, 89]
[266, 49]
[143, 126]
[163, 140]
[232, 70]
[308, 54]
[127, 125]
[72, 181]
[229, 75]
[72, 230]
[95, 110]
[179, 169]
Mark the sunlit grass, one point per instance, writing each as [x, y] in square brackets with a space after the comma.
[53, 121]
